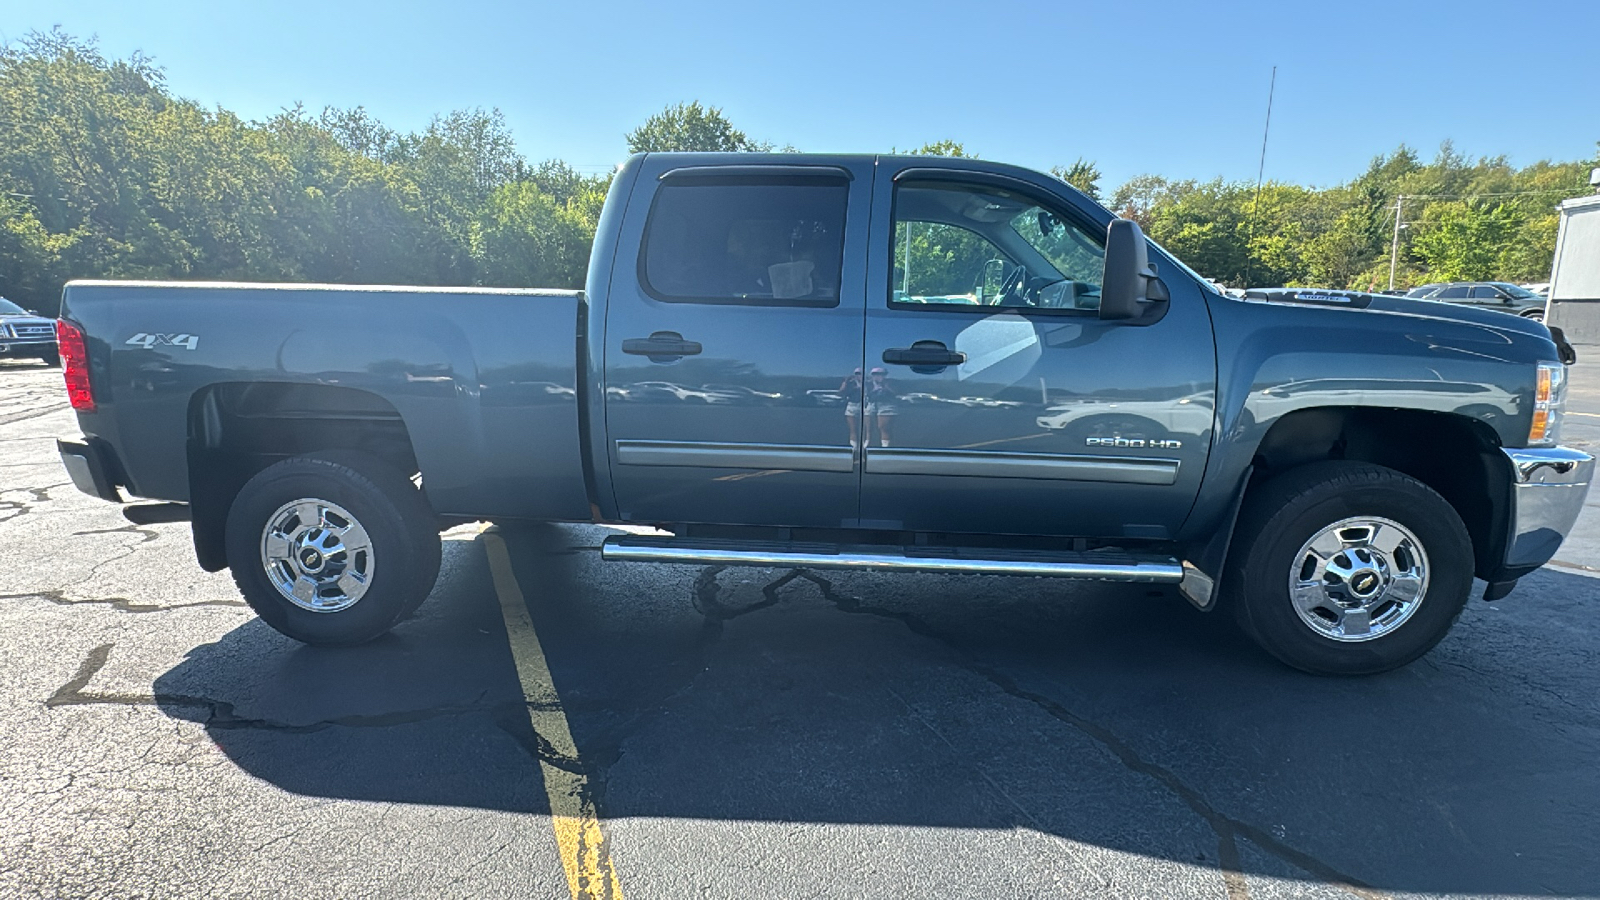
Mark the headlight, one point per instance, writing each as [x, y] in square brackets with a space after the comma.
[1549, 396]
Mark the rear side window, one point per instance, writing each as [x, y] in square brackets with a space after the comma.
[1454, 292]
[760, 241]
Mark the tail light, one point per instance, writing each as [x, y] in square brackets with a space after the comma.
[74, 352]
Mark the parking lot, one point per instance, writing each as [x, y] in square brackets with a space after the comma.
[552, 726]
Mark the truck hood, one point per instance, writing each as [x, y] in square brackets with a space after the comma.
[1383, 303]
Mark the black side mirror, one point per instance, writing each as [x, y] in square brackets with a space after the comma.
[1130, 283]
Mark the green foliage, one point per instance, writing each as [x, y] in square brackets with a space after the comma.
[690, 126]
[104, 174]
[1462, 220]
[944, 148]
[1082, 174]
[1467, 242]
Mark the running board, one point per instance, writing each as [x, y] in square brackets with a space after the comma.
[1096, 565]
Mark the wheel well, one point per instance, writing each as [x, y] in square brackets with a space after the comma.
[1456, 455]
[239, 428]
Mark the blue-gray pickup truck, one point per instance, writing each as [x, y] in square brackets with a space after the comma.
[859, 362]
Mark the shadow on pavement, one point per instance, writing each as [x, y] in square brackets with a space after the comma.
[1097, 713]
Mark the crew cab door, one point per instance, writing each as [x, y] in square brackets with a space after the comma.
[997, 400]
[734, 321]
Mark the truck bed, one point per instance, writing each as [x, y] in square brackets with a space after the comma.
[485, 381]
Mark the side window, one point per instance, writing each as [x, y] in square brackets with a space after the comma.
[1484, 292]
[760, 241]
[939, 263]
[960, 246]
[1457, 292]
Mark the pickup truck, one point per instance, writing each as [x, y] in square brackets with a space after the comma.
[859, 362]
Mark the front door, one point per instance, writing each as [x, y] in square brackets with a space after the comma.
[996, 399]
[733, 343]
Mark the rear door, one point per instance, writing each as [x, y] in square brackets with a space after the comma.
[997, 401]
[734, 341]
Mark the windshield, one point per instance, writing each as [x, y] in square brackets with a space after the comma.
[7, 308]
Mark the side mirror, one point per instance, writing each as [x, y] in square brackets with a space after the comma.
[1130, 284]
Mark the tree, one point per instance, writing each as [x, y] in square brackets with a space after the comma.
[942, 148]
[1467, 243]
[1083, 175]
[690, 126]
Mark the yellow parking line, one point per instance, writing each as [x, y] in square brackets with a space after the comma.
[584, 853]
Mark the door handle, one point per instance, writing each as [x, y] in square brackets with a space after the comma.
[662, 346]
[924, 355]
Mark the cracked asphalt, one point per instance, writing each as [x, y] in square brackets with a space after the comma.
[760, 733]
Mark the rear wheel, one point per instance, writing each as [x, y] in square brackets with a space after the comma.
[332, 549]
[1345, 568]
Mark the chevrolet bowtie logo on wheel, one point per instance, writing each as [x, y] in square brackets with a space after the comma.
[149, 341]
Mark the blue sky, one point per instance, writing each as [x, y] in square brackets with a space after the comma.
[1172, 88]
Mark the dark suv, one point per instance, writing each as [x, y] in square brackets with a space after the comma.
[1497, 295]
[26, 335]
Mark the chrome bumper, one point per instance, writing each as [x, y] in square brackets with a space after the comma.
[1547, 493]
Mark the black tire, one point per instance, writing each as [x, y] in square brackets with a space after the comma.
[1281, 515]
[51, 359]
[396, 517]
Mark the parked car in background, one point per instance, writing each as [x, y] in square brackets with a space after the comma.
[1497, 295]
[1540, 288]
[26, 335]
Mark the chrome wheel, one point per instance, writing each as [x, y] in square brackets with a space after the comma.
[317, 555]
[1359, 579]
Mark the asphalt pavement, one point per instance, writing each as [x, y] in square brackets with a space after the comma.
[549, 725]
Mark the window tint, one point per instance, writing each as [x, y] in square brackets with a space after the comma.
[1455, 292]
[746, 241]
[1485, 292]
[961, 245]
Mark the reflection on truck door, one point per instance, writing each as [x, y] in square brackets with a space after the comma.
[728, 338]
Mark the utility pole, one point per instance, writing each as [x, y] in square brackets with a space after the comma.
[1394, 246]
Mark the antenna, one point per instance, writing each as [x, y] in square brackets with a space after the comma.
[1260, 171]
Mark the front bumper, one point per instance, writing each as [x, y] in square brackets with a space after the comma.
[1548, 487]
[89, 469]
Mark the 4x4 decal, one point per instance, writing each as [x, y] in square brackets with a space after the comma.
[147, 341]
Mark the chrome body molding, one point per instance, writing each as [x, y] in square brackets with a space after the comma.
[1548, 489]
[988, 464]
[1107, 567]
[795, 457]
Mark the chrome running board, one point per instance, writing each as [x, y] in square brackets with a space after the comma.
[1096, 565]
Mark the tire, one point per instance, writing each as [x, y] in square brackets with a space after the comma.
[374, 539]
[1343, 568]
[51, 359]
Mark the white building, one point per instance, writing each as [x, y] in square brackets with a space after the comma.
[1575, 276]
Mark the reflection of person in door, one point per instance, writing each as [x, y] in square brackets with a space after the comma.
[851, 391]
[880, 405]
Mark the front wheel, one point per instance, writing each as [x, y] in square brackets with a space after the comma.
[332, 550]
[1345, 568]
